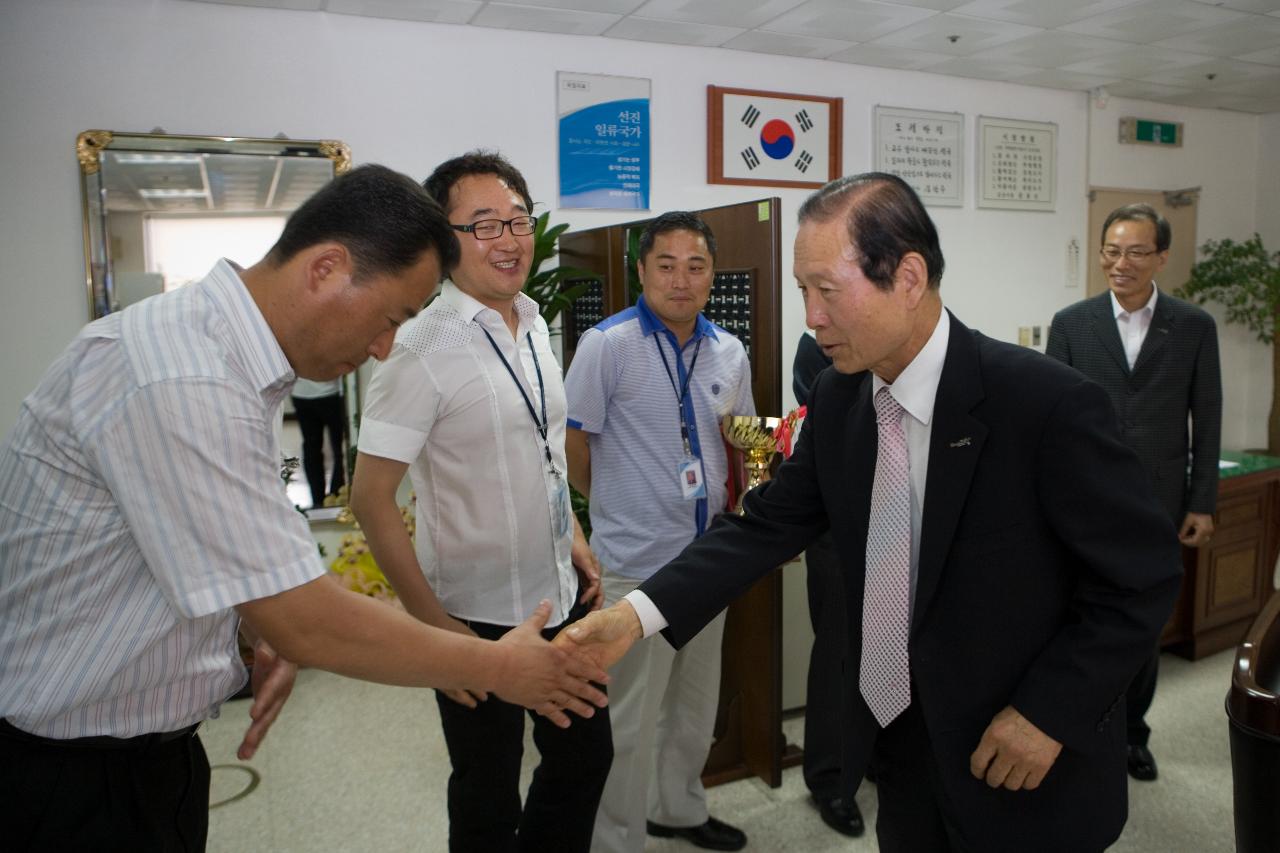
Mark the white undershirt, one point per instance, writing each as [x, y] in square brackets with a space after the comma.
[1134, 325]
[916, 390]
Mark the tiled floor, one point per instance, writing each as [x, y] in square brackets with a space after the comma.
[356, 767]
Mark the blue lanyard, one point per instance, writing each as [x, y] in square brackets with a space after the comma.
[540, 425]
[683, 391]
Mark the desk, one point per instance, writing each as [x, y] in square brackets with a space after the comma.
[1226, 583]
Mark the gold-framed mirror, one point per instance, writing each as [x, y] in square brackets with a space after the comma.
[160, 209]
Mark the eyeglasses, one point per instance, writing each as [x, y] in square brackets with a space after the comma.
[491, 229]
[1111, 254]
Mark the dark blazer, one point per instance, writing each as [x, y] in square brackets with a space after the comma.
[1176, 373]
[1046, 571]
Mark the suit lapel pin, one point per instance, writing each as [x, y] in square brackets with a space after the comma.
[964, 442]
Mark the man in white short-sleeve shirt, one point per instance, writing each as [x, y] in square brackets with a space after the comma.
[471, 404]
[121, 587]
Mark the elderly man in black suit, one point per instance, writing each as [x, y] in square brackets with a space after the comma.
[995, 623]
[1157, 358]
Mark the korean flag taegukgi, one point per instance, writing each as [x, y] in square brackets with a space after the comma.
[775, 139]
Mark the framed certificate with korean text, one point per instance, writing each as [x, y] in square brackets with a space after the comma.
[1017, 163]
[925, 149]
[772, 139]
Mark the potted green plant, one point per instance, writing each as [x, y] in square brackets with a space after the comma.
[1245, 278]
[546, 287]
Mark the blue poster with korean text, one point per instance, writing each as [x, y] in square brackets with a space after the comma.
[604, 141]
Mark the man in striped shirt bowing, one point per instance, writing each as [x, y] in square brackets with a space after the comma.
[121, 589]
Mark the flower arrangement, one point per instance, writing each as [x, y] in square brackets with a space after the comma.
[789, 429]
[356, 569]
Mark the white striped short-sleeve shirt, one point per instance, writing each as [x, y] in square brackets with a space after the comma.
[140, 501]
[621, 395]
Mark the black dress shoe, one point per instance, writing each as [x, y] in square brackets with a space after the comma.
[1142, 764]
[712, 835]
[841, 815]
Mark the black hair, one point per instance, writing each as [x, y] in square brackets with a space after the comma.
[885, 219]
[1141, 213]
[477, 162]
[384, 219]
[676, 220]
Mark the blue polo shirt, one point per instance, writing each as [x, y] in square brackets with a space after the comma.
[620, 394]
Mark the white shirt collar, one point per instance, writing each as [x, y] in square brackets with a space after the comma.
[469, 308]
[1117, 309]
[916, 387]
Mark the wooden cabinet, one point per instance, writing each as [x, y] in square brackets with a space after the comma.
[1227, 582]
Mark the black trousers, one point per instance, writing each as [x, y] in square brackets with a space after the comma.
[486, 746]
[1137, 700]
[315, 415]
[914, 814]
[822, 722]
[144, 794]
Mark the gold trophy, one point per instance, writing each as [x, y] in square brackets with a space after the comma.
[757, 438]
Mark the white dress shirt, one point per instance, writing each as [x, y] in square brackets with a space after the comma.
[1134, 325]
[916, 390]
[140, 500]
[494, 525]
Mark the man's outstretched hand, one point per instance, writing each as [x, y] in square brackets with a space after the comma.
[546, 678]
[602, 636]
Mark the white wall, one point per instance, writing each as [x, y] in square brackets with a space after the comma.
[410, 94]
[1221, 154]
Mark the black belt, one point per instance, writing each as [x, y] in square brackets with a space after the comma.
[98, 741]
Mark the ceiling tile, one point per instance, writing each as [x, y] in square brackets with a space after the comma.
[1137, 62]
[1052, 49]
[1222, 71]
[1154, 20]
[1213, 100]
[1141, 90]
[889, 57]
[609, 7]
[1255, 32]
[511, 17]
[1261, 87]
[672, 32]
[726, 13]
[964, 66]
[1270, 56]
[1261, 6]
[1054, 78]
[435, 11]
[785, 45]
[935, 5]
[970, 35]
[297, 5]
[851, 20]
[1039, 13]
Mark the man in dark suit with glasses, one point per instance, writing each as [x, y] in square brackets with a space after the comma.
[1157, 358]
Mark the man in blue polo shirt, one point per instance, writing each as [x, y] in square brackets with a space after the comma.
[646, 391]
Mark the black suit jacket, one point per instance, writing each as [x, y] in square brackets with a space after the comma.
[1176, 374]
[1046, 571]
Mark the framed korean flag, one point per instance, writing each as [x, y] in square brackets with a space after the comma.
[772, 139]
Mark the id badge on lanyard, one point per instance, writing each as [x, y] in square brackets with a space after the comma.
[689, 471]
[693, 484]
[552, 478]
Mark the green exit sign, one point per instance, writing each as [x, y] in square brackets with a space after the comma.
[1146, 132]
